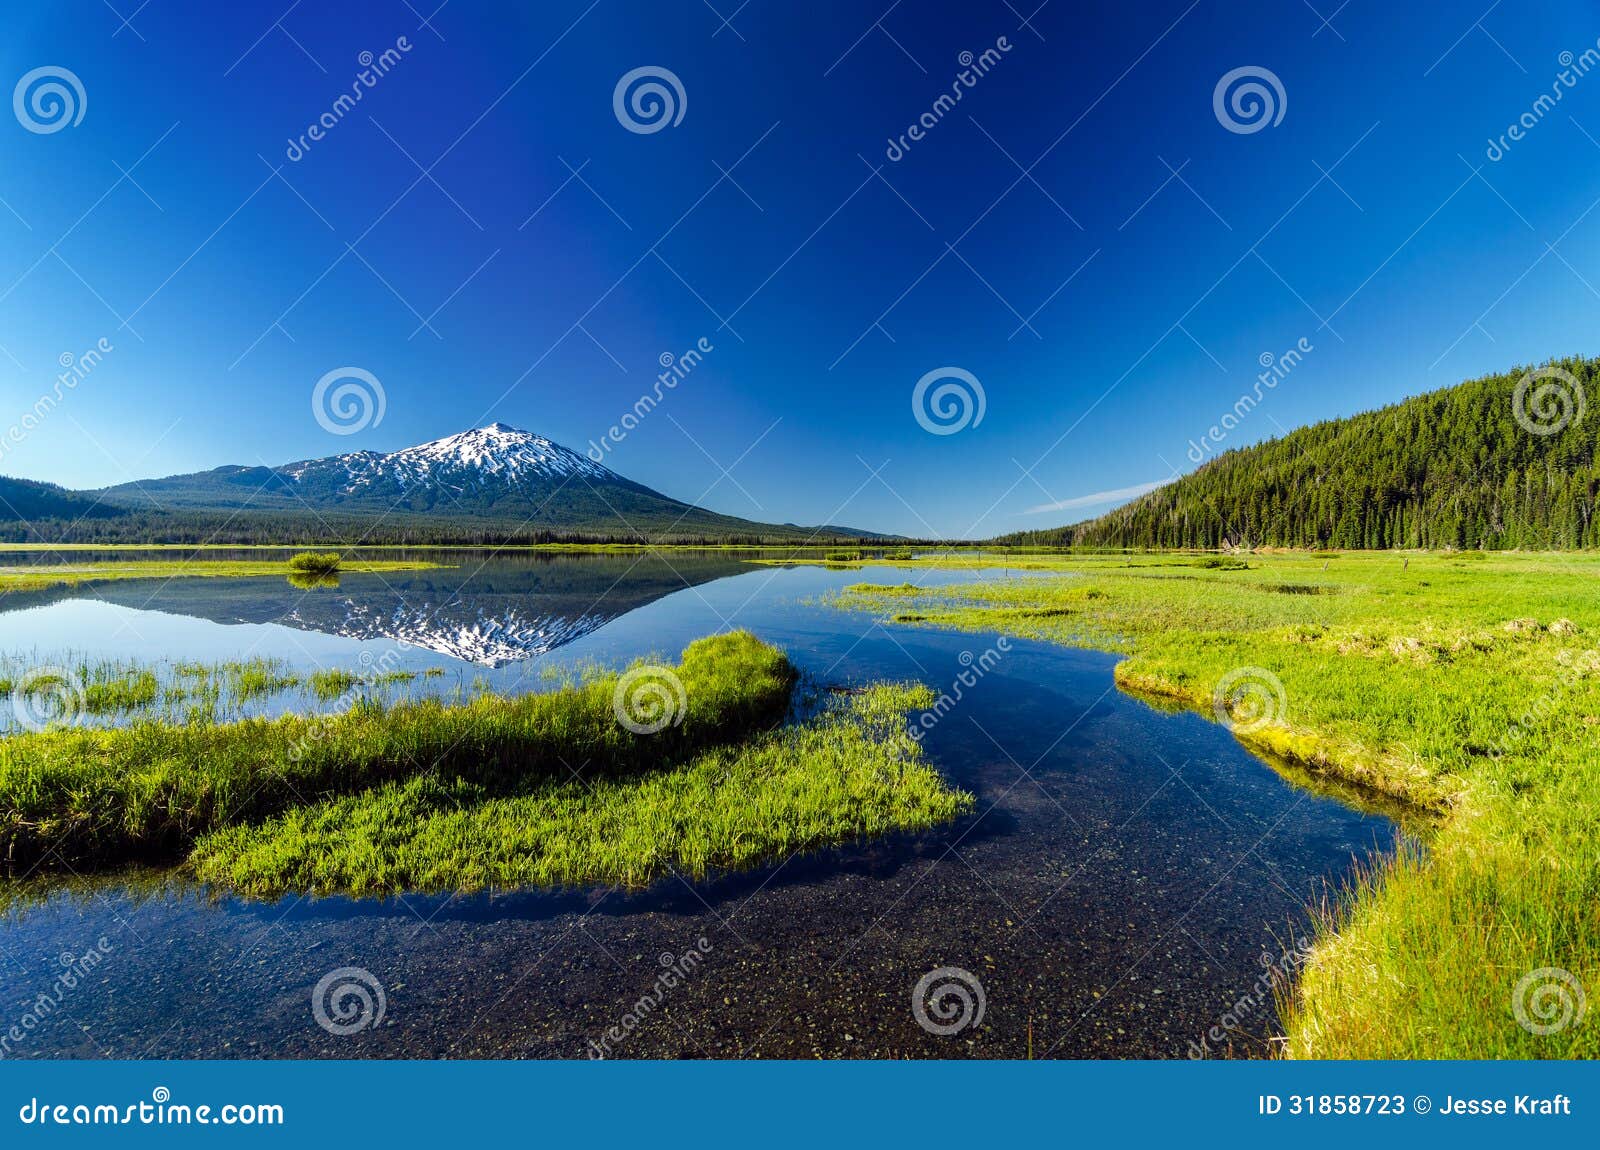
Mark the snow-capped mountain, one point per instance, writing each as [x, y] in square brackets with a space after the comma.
[498, 453]
[489, 483]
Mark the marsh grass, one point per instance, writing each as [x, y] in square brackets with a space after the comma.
[183, 690]
[76, 574]
[330, 684]
[316, 562]
[127, 691]
[850, 771]
[1466, 685]
[83, 797]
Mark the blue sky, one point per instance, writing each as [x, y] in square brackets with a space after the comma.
[1084, 184]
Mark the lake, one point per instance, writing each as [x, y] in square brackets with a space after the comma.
[1131, 878]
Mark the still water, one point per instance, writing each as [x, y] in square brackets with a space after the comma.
[1127, 880]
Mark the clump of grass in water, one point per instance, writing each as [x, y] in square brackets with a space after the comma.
[849, 772]
[128, 691]
[335, 682]
[316, 562]
[256, 680]
[332, 683]
[96, 797]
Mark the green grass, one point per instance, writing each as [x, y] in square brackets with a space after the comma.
[335, 683]
[121, 692]
[197, 692]
[316, 562]
[851, 772]
[546, 788]
[84, 797]
[330, 684]
[76, 574]
[1466, 685]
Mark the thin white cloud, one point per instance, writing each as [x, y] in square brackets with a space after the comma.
[1094, 499]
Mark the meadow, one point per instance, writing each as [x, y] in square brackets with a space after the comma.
[1466, 685]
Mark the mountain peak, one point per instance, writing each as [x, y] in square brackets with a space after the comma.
[496, 450]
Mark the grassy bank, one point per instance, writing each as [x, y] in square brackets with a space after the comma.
[74, 574]
[547, 788]
[86, 797]
[853, 771]
[1466, 684]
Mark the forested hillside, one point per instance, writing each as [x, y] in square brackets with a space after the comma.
[1504, 461]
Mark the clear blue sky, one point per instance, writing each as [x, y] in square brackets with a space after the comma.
[1400, 268]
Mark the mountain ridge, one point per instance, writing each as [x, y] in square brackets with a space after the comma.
[486, 484]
